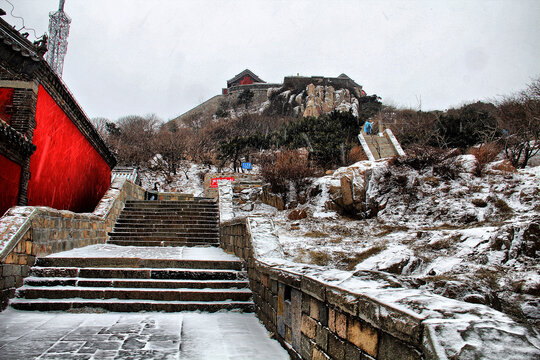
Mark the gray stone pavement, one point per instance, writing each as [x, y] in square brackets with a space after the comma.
[186, 335]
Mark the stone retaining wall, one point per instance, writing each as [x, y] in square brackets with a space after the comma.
[319, 313]
[272, 199]
[316, 321]
[27, 232]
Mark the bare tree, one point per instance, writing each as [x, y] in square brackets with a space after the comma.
[171, 147]
[412, 127]
[133, 138]
[100, 124]
[519, 117]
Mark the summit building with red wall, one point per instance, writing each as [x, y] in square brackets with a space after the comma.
[50, 154]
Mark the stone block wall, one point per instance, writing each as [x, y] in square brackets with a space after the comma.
[313, 320]
[28, 232]
[271, 199]
[236, 240]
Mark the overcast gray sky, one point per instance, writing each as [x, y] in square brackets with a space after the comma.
[166, 56]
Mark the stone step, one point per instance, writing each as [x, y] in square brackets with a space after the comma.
[132, 242]
[135, 283]
[169, 202]
[176, 221]
[151, 203]
[128, 305]
[172, 208]
[192, 238]
[172, 233]
[161, 216]
[165, 214]
[148, 221]
[164, 236]
[160, 226]
[188, 200]
[137, 273]
[188, 217]
[72, 292]
[154, 231]
[204, 235]
[172, 202]
[102, 262]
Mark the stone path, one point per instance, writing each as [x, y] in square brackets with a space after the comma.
[185, 335]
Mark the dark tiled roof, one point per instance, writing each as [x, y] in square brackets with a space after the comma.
[16, 139]
[244, 73]
[18, 43]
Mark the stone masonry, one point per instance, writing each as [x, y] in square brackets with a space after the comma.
[313, 319]
[28, 232]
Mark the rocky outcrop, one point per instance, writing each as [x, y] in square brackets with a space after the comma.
[349, 194]
[312, 101]
[325, 99]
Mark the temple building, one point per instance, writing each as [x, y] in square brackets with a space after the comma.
[50, 154]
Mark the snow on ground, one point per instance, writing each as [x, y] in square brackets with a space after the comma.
[188, 179]
[146, 252]
[469, 238]
[184, 335]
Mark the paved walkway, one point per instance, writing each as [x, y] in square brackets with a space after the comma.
[145, 335]
[193, 336]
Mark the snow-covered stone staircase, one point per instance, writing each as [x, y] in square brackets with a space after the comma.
[380, 146]
[134, 284]
[167, 223]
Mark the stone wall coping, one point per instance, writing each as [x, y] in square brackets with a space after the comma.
[401, 322]
[16, 222]
[237, 220]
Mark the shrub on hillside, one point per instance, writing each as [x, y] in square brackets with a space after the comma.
[484, 154]
[286, 167]
[328, 138]
[467, 126]
[411, 127]
[441, 162]
[356, 154]
[519, 119]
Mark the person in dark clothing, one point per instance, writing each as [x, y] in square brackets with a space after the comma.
[154, 194]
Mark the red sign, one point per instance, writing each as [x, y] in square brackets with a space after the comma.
[213, 182]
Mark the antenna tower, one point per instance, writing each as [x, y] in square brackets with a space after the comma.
[58, 34]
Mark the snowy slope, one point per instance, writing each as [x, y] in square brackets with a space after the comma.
[475, 239]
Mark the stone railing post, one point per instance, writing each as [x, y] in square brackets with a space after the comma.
[225, 200]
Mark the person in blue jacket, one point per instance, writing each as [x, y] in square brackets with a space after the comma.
[368, 128]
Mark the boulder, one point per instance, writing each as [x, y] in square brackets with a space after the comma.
[312, 106]
[328, 104]
[299, 98]
[347, 190]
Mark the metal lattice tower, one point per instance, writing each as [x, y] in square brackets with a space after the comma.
[58, 34]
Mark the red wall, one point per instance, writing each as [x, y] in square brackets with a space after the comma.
[10, 174]
[6, 99]
[246, 80]
[66, 171]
